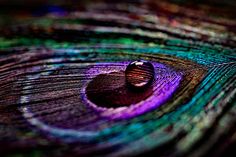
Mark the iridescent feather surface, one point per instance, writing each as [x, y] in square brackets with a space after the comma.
[63, 79]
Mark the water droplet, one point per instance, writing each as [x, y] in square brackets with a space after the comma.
[139, 74]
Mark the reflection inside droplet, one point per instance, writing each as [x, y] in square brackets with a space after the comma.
[139, 74]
